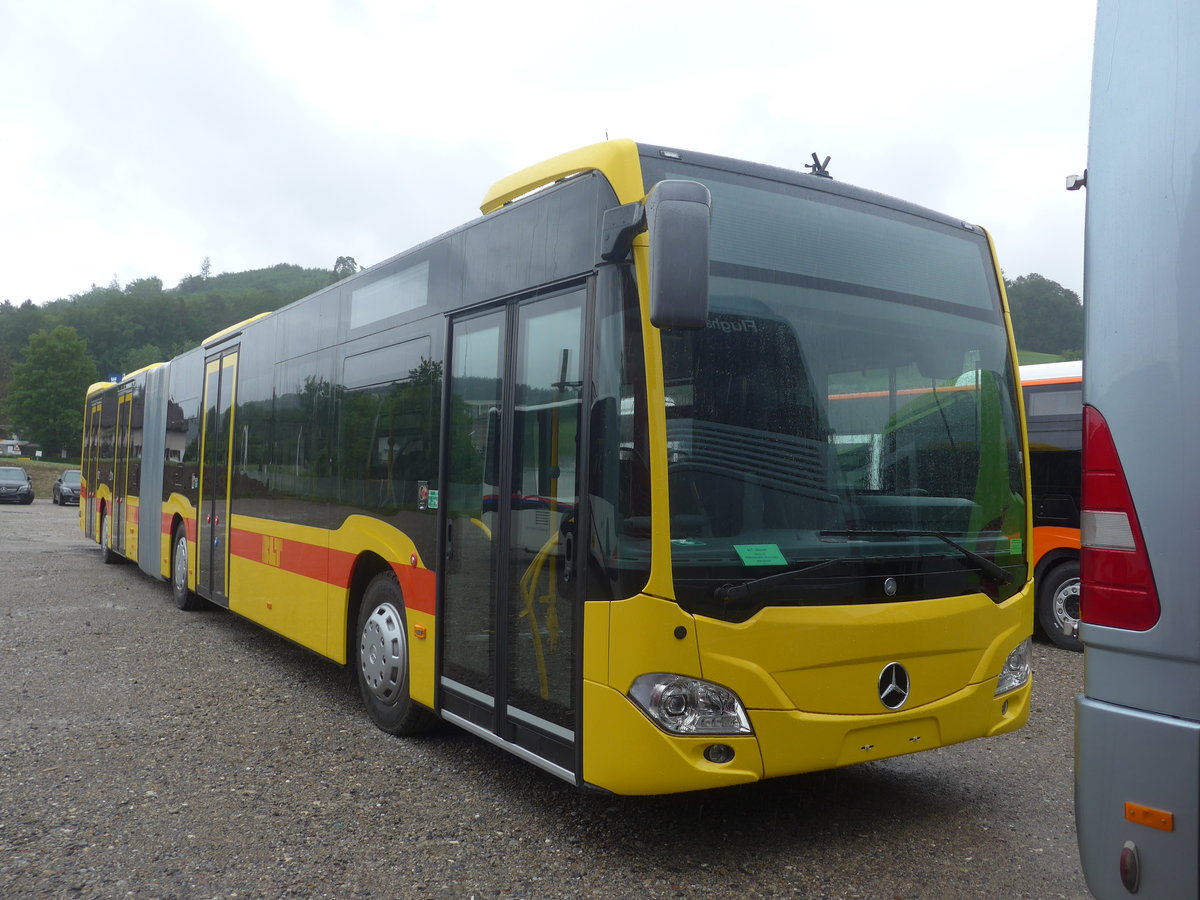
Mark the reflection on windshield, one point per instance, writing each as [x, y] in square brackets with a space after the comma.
[816, 419]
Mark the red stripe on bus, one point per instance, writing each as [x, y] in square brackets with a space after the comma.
[189, 526]
[330, 566]
[419, 587]
[308, 560]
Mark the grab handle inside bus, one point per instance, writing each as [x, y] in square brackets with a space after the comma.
[677, 218]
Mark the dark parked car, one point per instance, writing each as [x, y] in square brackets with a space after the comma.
[66, 487]
[15, 485]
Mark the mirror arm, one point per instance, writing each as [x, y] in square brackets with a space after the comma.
[621, 225]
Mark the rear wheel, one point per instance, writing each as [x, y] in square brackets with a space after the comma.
[184, 598]
[106, 551]
[1058, 605]
[381, 660]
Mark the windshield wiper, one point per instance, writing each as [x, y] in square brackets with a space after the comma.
[982, 562]
[748, 589]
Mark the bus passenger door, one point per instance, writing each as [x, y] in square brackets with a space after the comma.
[212, 542]
[121, 472]
[511, 585]
[91, 469]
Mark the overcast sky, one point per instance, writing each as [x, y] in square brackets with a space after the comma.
[139, 138]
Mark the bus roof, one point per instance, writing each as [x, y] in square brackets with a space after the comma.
[1046, 373]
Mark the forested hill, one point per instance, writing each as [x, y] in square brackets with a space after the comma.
[127, 328]
[1047, 317]
[50, 354]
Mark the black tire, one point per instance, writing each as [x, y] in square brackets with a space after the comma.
[183, 597]
[381, 660]
[106, 551]
[1058, 605]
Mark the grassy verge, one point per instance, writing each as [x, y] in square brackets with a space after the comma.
[1032, 357]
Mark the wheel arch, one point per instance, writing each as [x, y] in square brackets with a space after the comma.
[168, 559]
[367, 565]
[1053, 559]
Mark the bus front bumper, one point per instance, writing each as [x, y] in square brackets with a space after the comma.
[624, 752]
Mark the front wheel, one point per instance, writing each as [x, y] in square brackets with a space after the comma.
[1058, 605]
[184, 598]
[382, 660]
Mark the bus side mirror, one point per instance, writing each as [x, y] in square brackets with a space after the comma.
[677, 218]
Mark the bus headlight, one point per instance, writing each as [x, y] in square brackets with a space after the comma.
[1016, 669]
[682, 705]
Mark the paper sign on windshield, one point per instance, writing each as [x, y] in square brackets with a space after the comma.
[760, 554]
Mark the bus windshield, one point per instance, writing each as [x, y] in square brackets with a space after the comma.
[851, 402]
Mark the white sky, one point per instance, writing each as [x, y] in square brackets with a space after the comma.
[138, 138]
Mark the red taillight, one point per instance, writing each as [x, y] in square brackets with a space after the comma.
[1117, 583]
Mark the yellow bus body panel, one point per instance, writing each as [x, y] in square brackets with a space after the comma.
[616, 160]
[295, 580]
[644, 640]
[103, 497]
[133, 512]
[290, 603]
[363, 534]
[626, 753]
[596, 623]
[828, 659]
[177, 507]
[808, 677]
[794, 742]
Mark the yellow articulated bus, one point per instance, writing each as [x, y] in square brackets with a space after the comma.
[668, 472]
[114, 432]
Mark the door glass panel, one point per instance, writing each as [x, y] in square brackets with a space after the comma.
[542, 550]
[469, 629]
[212, 546]
[221, 483]
[120, 474]
[209, 431]
[91, 469]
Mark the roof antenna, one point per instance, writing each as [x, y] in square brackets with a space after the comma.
[820, 169]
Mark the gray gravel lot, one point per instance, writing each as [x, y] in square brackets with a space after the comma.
[147, 752]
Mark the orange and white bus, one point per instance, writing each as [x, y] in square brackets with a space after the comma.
[570, 477]
[1054, 421]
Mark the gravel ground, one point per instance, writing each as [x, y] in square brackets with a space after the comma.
[146, 752]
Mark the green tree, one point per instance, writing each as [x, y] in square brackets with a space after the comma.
[45, 398]
[344, 267]
[17, 323]
[1047, 317]
[140, 357]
